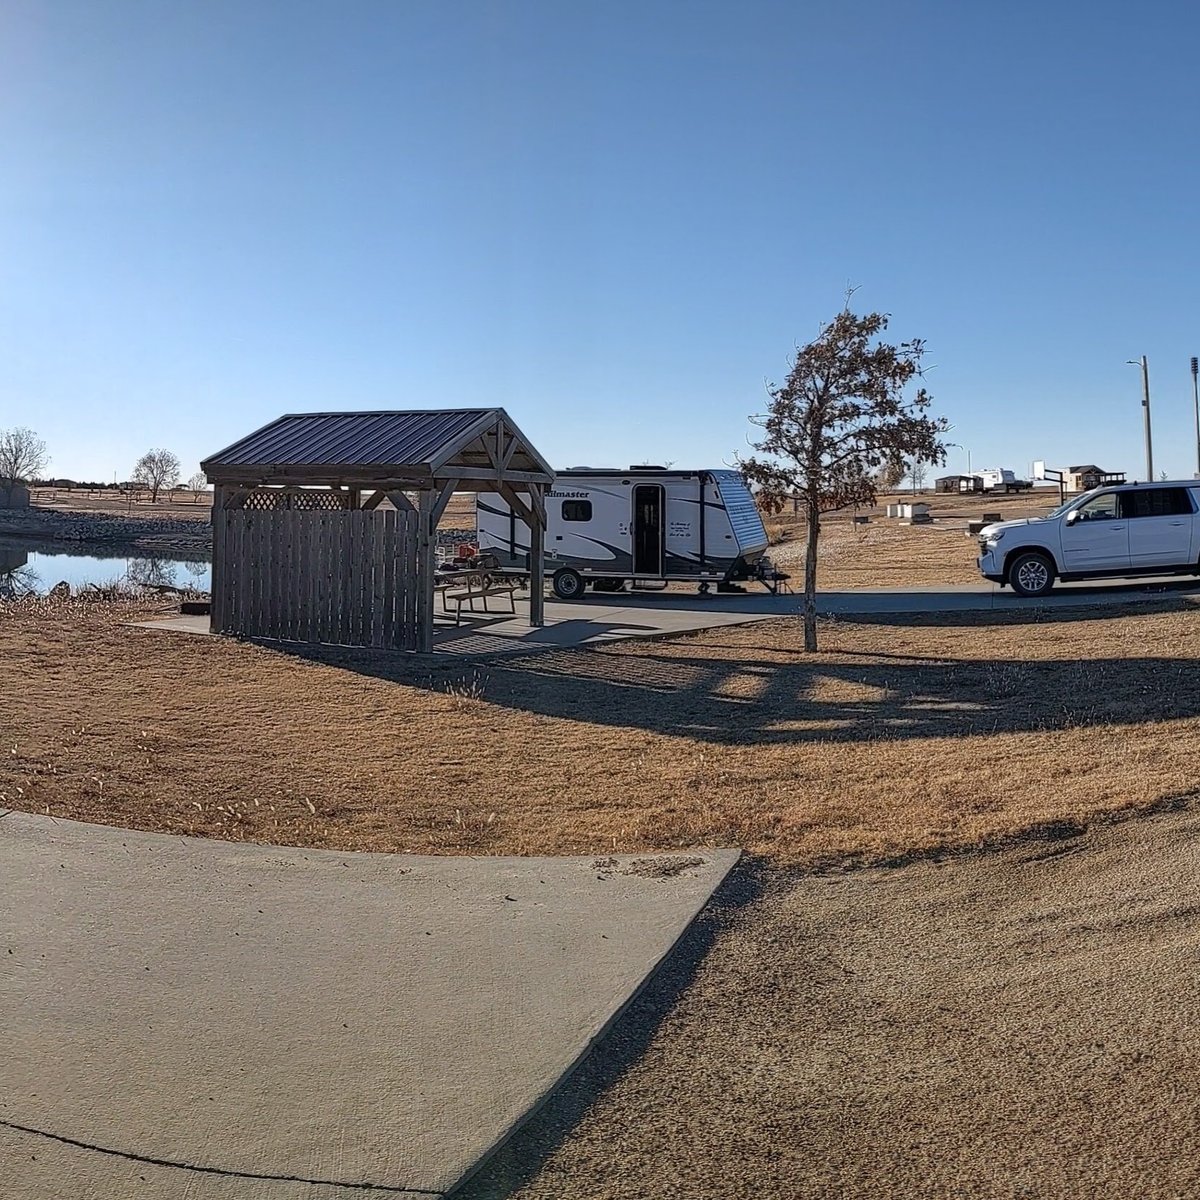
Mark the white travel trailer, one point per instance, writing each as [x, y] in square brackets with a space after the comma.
[605, 527]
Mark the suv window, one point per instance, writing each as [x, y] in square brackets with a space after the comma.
[1102, 508]
[1156, 502]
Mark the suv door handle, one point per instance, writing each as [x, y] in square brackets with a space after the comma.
[1178, 522]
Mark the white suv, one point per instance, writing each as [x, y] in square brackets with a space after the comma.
[1126, 531]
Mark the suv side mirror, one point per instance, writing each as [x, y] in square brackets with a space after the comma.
[1073, 516]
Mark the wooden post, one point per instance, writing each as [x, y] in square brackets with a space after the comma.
[217, 604]
[537, 559]
[426, 561]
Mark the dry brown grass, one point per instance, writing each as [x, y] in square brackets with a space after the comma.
[181, 506]
[884, 553]
[185, 505]
[899, 738]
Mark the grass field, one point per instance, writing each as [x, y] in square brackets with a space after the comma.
[885, 553]
[180, 505]
[901, 737]
[186, 505]
[1013, 1024]
[869, 1009]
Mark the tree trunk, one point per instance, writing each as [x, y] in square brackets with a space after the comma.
[810, 573]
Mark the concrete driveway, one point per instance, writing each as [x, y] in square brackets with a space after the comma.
[595, 619]
[200, 1020]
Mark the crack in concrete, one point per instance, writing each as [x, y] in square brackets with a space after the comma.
[228, 1173]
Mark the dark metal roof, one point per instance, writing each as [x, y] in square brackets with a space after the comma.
[350, 439]
[413, 440]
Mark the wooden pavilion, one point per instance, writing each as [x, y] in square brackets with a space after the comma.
[316, 536]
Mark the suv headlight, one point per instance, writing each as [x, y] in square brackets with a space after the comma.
[994, 536]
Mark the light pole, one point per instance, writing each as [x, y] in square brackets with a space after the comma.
[1146, 413]
[1196, 405]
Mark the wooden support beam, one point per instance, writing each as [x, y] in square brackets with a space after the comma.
[537, 501]
[216, 608]
[537, 568]
[401, 502]
[517, 504]
[426, 563]
[491, 444]
[488, 474]
[511, 449]
[374, 500]
[442, 499]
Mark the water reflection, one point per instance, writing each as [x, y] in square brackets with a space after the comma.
[17, 578]
[198, 575]
[151, 572]
[35, 566]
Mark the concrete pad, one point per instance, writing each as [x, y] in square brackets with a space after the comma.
[201, 1019]
[593, 620]
[580, 623]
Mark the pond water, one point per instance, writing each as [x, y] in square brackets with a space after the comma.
[27, 565]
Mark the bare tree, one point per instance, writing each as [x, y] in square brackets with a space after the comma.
[23, 457]
[840, 415]
[916, 474]
[890, 475]
[157, 469]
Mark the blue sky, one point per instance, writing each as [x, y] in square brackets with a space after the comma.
[615, 219]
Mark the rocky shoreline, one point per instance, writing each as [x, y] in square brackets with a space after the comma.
[166, 536]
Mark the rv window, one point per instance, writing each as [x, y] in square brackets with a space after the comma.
[577, 510]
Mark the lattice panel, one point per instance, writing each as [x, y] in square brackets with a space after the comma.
[295, 500]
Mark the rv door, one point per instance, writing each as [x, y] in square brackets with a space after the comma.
[648, 530]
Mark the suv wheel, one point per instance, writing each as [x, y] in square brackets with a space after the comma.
[1031, 574]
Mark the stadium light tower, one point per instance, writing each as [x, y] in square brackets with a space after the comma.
[1196, 406]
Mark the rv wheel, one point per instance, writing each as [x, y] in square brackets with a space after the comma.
[567, 584]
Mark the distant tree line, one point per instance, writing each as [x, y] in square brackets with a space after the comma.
[80, 484]
[24, 459]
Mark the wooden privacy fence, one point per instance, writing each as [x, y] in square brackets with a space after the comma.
[346, 577]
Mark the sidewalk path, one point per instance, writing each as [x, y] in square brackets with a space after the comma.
[199, 1020]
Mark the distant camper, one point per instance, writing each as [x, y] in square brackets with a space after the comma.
[605, 527]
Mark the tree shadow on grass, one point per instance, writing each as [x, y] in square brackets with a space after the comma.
[523, 1155]
[757, 698]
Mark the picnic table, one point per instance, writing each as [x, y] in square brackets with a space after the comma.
[465, 585]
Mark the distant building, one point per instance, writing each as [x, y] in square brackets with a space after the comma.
[959, 483]
[1087, 476]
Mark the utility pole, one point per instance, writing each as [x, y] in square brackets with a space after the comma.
[1196, 406]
